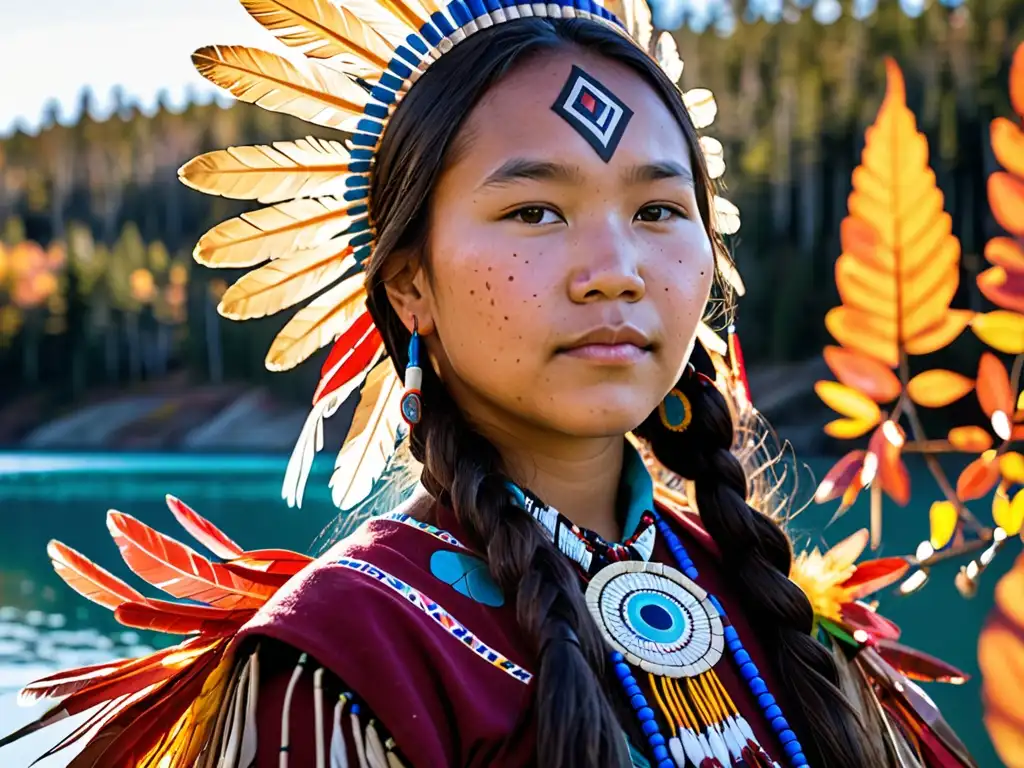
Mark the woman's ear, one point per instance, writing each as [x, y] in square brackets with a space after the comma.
[409, 291]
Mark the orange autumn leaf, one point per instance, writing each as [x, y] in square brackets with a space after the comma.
[995, 394]
[1008, 145]
[863, 373]
[1001, 659]
[978, 477]
[1006, 197]
[970, 439]
[899, 269]
[936, 388]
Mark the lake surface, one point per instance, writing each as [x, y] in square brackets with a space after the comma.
[45, 627]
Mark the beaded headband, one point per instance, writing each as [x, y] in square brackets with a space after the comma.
[358, 59]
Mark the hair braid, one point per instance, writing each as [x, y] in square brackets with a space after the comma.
[756, 556]
[576, 725]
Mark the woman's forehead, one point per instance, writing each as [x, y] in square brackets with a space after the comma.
[575, 108]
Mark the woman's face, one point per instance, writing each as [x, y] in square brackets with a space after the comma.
[565, 290]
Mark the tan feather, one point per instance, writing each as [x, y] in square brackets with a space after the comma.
[317, 324]
[371, 437]
[270, 233]
[323, 29]
[306, 168]
[285, 282]
[411, 12]
[393, 28]
[320, 95]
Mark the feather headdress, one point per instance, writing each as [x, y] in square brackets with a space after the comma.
[357, 58]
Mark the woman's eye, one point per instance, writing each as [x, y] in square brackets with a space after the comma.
[656, 213]
[534, 215]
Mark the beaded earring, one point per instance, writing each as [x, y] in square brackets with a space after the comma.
[412, 402]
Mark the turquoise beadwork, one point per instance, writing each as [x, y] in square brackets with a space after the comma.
[468, 575]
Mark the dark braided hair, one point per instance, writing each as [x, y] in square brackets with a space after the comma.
[757, 556]
[577, 726]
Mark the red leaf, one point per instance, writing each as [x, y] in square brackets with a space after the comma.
[178, 619]
[873, 575]
[180, 570]
[202, 530]
[88, 579]
[978, 477]
[918, 665]
[840, 477]
[859, 616]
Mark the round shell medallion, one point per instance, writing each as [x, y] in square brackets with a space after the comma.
[657, 618]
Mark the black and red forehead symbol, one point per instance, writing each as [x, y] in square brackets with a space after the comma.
[596, 114]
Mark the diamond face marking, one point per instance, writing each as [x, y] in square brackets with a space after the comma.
[596, 114]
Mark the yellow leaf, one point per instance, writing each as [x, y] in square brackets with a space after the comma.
[936, 388]
[1001, 330]
[1008, 515]
[1011, 466]
[848, 429]
[847, 401]
[943, 517]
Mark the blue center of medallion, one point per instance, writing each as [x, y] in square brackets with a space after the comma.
[655, 617]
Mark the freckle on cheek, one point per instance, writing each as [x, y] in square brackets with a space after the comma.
[510, 278]
[488, 286]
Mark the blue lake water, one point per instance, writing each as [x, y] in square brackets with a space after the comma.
[44, 626]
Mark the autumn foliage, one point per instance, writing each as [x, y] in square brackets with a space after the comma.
[1001, 645]
[897, 276]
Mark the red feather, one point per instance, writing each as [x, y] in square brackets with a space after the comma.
[202, 530]
[271, 567]
[136, 676]
[136, 729]
[874, 575]
[918, 665]
[354, 350]
[178, 619]
[72, 680]
[88, 579]
[859, 616]
[180, 570]
[100, 716]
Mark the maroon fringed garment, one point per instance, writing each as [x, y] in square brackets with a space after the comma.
[444, 704]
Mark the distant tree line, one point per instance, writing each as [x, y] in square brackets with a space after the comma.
[97, 287]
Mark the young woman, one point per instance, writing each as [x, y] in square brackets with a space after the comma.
[533, 227]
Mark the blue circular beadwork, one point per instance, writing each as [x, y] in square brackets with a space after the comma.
[656, 617]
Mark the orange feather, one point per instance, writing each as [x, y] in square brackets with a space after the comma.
[88, 579]
[202, 530]
[178, 619]
[180, 570]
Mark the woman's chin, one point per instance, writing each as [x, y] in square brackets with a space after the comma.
[587, 413]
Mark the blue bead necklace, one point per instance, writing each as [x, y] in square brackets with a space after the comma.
[746, 667]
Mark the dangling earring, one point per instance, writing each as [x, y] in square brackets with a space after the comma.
[676, 410]
[412, 403]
